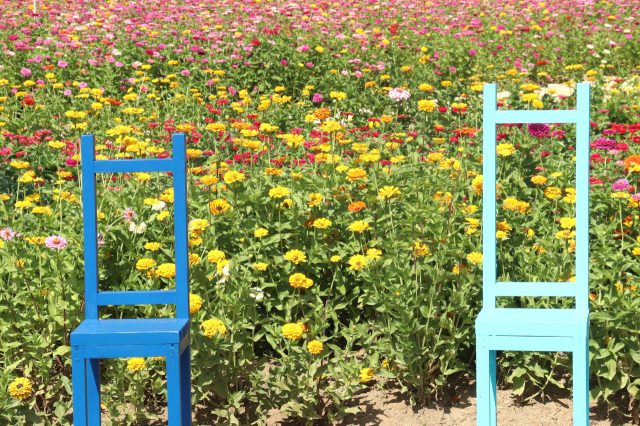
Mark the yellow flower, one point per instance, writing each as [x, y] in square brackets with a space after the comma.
[144, 264]
[366, 375]
[515, 205]
[300, 280]
[426, 106]
[193, 259]
[567, 222]
[233, 176]
[388, 192]
[166, 270]
[163, 215]
[475, 257]
[259, 233]
[322, 223]
[476, 184]
[198, 224]
[135, 364]
[636, 251]
[195, 303]
[425, 87]
[260, 266]
[20, 388]
[420, 249]
[213, 327]
[358, 262]
[354, 174]
[278, 192]
[315, 347]
[373, 254]
[296, 256]
[359, 226]
[219, 207]
[335, 259]
[552, 193]
[287, 204]
[315, 199]
[338, 95]
[216, 256]
[539, 180]
[292, 331]
[505, 149]
[153, 246]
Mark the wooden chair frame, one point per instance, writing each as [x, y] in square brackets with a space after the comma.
[565, 330]
[95, 339]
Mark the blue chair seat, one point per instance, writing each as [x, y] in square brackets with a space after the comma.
[146, 331]
[532, 322]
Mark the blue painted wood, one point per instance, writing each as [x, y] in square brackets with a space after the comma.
[131, 331]
[95, 339]
[133, 166]
[150, 297]
[564, 330]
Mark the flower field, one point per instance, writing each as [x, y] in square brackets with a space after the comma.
[334, 187]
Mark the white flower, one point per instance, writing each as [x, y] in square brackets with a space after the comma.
[225, 274]
[137, 229]
[256, 293]
[603, 61]
[590, 46]
[158, 206]
[606, 51]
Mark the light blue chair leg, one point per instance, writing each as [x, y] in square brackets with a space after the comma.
[185, 385]
[78, 378]
[580, 381]
[173, 386]
[493, 400]
[485, 384]
[93, 392]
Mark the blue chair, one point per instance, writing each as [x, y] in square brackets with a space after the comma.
[94, 338]
[565, 330]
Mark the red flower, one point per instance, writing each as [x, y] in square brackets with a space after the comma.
[255, 42]
[542, 63]
[442, 109]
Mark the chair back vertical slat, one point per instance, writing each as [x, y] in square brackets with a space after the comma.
[181, 225]
[489, 274]
[583, 106]
[90, 220]
[580, 117]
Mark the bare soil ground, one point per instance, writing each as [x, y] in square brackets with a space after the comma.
[382, 405]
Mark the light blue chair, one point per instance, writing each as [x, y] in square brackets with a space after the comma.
[94, 338]
[554, 330]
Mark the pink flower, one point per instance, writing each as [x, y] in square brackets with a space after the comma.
[62, 64]
[620, 185]
[185, 73]
[25, 72]
[398, 94]
[128, 214]
[56, 242]
[7, 234]
[472, 52]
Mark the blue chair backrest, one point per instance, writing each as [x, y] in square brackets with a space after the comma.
[491, 117]
[90, 167]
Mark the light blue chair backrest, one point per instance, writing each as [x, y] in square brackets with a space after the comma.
[90, 167]
[491, 117]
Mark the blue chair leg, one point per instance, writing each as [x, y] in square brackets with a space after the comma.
[78, 377]
[580, 381]
[173, 386]
[185, 386]
[485, 384]
[93, 392]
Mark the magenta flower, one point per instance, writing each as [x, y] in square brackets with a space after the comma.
[636, 196]
[67, 92]
[25, 72]
[7, 234]
[185, 73]
[62, 64]
[317, 97]
[472, 52]
[620, 185]
[56, 242]
[539, 129]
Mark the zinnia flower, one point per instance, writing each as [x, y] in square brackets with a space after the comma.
[135, 364]
[20, 388]
[56, 242]
[292, 331]
[7, 234]
[398, 94]
[300, 280]
[296, 256]
[195, 303]
[620, 185]
[315, 347]
[539, 129]
[212, 327]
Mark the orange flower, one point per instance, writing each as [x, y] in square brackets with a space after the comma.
[629, 160]
[357, 206]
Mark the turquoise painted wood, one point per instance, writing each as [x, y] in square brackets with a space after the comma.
[95, 339]
[564, 330]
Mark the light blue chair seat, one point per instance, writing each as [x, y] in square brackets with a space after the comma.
[532, 322]
[148, 331]
[540, 330]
